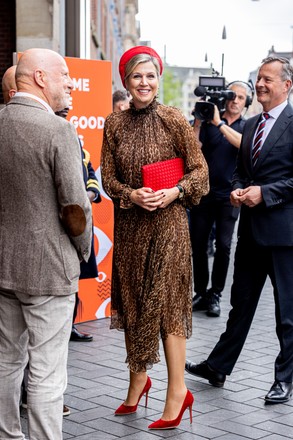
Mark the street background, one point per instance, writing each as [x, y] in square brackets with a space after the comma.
[98, 382]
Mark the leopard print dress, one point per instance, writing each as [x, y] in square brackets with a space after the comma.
[151, 277]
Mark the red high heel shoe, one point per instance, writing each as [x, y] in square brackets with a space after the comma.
[128, 409]
[170, 424]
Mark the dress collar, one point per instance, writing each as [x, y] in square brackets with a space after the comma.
[151, 107]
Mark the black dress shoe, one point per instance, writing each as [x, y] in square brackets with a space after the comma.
[79, 336]
[24, 398]
[199, 302]
[206, 372]
[279, 393]
[214, 309]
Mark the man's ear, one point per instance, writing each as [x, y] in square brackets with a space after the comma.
[11, 93]
[39, 77]
[288, 84]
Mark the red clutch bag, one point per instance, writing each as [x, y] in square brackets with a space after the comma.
[164, 174]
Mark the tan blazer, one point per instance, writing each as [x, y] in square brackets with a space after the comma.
[45, 214]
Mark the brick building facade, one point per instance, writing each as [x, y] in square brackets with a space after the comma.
[88, 29]
[7, 36]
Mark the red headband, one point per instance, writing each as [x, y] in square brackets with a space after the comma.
[130, 53]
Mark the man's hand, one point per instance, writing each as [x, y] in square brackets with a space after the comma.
[216, 118]
[250, 196]
[235, 197]
[91, 195]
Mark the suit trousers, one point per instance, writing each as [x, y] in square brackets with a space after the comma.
[202, 217]
[252, 265]
[34, 329]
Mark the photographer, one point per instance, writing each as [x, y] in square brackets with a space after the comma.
[220, 139]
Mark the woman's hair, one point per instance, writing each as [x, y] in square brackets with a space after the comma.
[138, 59]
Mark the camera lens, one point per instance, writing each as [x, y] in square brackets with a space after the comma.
[204, 110]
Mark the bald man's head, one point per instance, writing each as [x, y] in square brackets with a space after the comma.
[32, 60]
[44, 73]
[9, 84]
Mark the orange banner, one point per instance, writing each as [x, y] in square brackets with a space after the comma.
[91, 103]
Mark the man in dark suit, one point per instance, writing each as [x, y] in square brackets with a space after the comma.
[263, 187]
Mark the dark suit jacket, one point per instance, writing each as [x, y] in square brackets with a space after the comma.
[271, 222]
[89, 269]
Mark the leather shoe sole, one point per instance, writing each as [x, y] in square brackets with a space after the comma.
[204, 370]
[280, 392]
[213, 312]
[66, 411]
[80, 337]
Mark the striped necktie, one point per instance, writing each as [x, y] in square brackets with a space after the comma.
[258, 138]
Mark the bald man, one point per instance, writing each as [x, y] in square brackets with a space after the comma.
[46, 231]
[9, 84]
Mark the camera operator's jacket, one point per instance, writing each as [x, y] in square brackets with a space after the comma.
[221, 157]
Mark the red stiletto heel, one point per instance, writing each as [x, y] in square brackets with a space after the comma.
[128, 409]
[170, 424]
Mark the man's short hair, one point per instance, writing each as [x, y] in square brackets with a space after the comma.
[119, 95]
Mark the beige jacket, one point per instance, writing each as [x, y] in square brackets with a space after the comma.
[45, 214]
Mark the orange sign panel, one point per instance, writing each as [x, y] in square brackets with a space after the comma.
[91, 103]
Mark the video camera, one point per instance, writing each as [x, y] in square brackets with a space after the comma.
[212, 90]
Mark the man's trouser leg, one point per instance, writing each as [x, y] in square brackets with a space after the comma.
[48, 320]
[250, 273]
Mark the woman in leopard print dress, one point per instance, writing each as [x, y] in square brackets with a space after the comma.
[151, 279]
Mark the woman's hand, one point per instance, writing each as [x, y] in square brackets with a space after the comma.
[169, 195]
[147, 199]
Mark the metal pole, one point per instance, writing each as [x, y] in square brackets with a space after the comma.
[222, 71]
[224, 36]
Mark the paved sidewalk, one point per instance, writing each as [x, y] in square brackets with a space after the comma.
[98, 380]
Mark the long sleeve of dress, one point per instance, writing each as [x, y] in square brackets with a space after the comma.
[111, 180]
[135, 138]
[196, 179]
